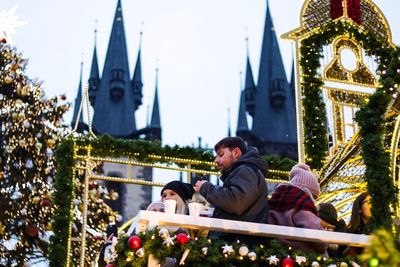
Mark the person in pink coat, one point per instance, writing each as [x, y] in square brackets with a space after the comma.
[292, 204]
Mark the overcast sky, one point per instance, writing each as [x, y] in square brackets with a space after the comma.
[198, 45]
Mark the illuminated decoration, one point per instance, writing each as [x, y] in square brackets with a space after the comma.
[335, 71]
[82, 156]
[26, 168]
[364, 161]
[8, 22]
[214, 252]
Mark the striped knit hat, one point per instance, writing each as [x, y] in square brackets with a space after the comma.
[302, 177]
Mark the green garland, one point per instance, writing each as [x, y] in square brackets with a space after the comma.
[210, 252]
[370, 118]
[64, 194]
[101, 147]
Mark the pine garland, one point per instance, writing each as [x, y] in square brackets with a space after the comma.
[210, 252]
[370, 118]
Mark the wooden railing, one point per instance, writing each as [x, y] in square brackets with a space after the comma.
[149, 219]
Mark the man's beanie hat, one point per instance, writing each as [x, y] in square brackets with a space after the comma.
[328, 213]
[302, 177]
[184, 190]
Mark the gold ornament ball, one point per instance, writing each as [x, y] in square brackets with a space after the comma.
[21, 116]
[8, 80]
[38, 145]
[36, 199]
[252, 256]
[243, 251]
[1, 175]
[22, 143]
[51, 143]
[14, 116]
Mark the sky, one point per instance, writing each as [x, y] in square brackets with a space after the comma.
[198, 45]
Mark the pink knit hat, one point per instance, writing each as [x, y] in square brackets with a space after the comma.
[302, 177]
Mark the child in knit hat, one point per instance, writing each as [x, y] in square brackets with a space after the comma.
[292, 204]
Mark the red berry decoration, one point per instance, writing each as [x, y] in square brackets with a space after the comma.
[63, 97]
[287, 262]
[134, 242]
[182, 238]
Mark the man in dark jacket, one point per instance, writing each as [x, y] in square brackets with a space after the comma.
[243, 196]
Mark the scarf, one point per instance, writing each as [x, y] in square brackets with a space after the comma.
[287, 197]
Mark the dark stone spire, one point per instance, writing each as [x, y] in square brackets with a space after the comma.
[274, 116]
[94, 78]
[155, 116]
[293, 83]
[137, 83]
[250, 89]
[242, 124]
[78, 101]
[114, 110]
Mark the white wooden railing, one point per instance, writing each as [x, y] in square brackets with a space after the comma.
[149, 219]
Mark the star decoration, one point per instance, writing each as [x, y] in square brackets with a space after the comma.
[169, 241]
[227, 249]
[8, 23]
[273, 260]
[300, 259]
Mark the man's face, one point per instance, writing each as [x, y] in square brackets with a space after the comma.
[225, 157]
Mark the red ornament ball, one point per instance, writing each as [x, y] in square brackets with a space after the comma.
[111, 265]
[287, 262]
[45, 202]
[182, 238]
[92, 186]
[31, 230]
[134, 242]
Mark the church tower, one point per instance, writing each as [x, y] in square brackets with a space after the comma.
[115, 98]
[270, 102]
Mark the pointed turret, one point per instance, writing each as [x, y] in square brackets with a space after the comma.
[242, 125]
[155, 115]
[114, 110]
[274, 116]
[94, 78]
[78, 101]
[293, 84]
[137, 83]
[250, 89]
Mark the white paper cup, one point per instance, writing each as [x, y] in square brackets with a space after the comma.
[170, 205]
[195, 208]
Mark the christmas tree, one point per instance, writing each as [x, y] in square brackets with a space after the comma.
[30, 129]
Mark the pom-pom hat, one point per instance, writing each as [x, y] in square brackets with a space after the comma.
[302, 177]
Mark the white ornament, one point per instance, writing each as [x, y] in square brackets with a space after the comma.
[355, 264]
[164, 233]
[300, 259]
[49, 152]
[314, 264]
[243, 251]
[119, 218]
[273, 260]
[169, 241]
[204, 250]
[23, 212]
[29, 164]
[227, 249]
[332, 265]
[140, 252]
[252, 256]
